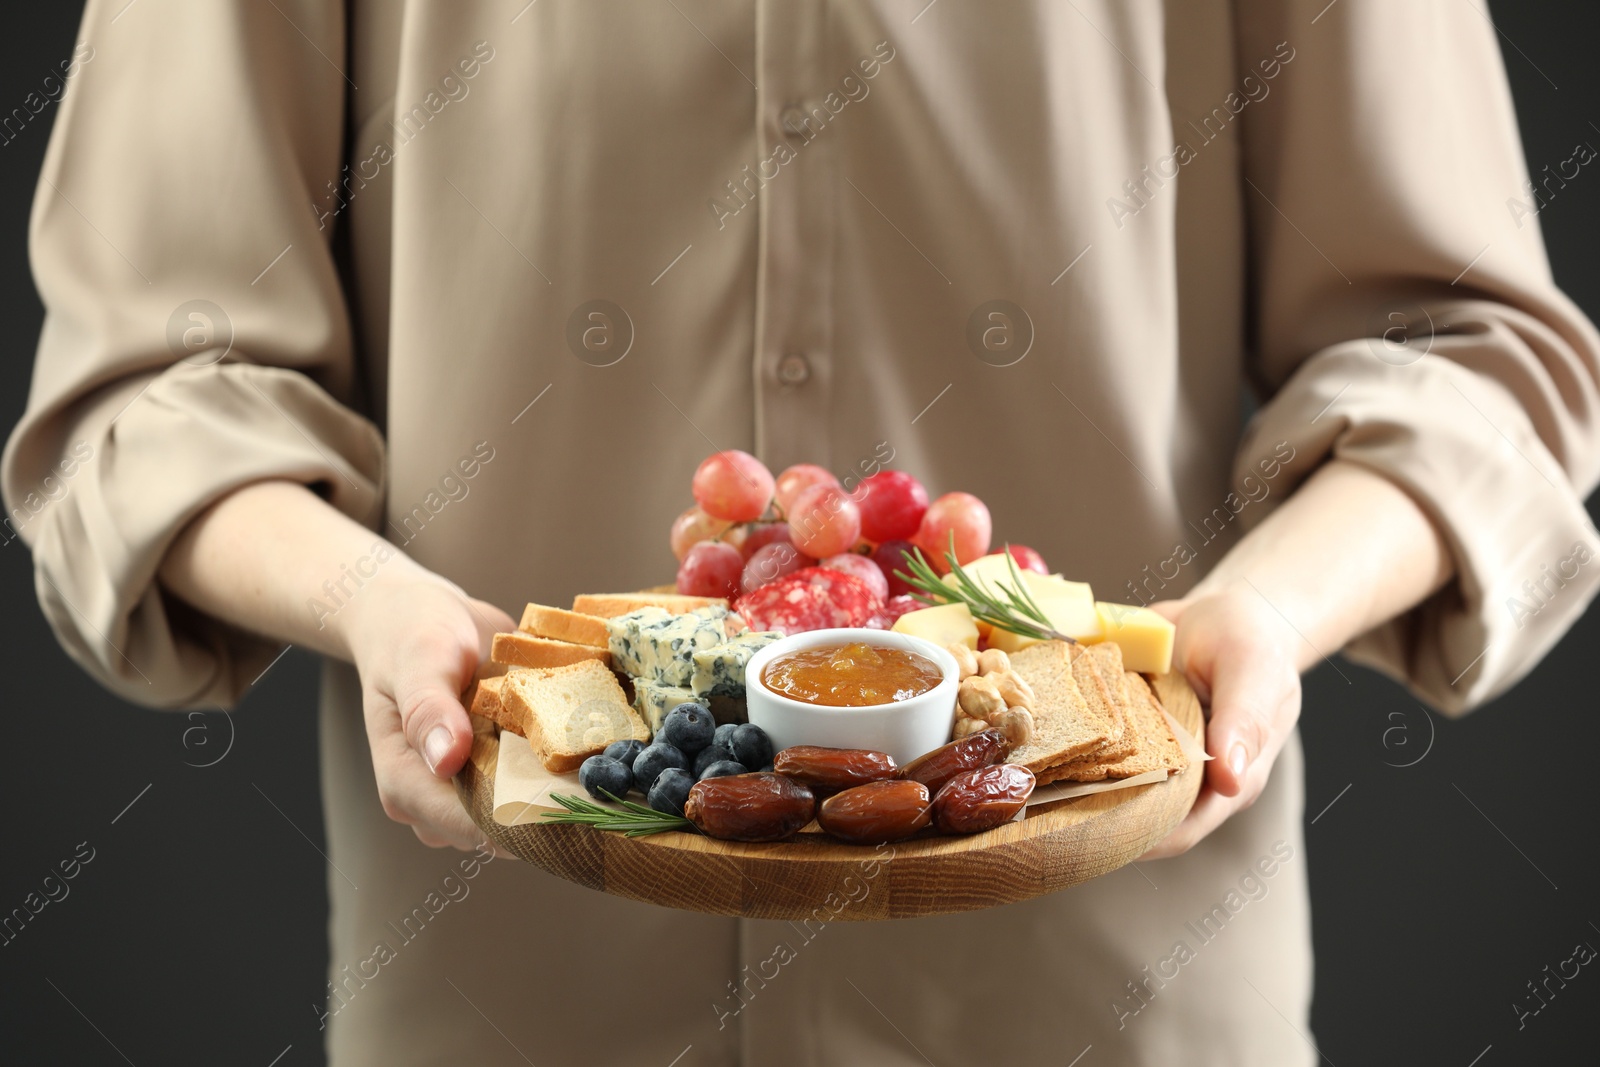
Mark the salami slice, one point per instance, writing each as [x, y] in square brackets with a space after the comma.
[816, 598]
[891, 611]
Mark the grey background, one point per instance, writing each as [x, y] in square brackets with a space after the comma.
[195, 935]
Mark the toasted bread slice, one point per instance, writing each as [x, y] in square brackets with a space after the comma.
[525, 650]
[1065, 725]
[572, 712]
[560, 624]
[1157, 746]
[1099, 674]
[610, 605]
[483, 699]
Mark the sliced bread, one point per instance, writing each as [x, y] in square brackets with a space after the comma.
[525, 650]
[571, 713]
[483, 699]
[562, 625]
[610, 605]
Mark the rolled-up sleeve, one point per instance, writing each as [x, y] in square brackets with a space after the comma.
[196, 337]
[1404, 319]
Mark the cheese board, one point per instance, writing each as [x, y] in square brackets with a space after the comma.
[848, 704]
[813, 877]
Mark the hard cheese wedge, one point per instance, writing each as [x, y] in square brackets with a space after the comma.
[943, 625]
[1069, 606]
[1144, 636]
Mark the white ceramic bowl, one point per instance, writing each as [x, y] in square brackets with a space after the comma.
[904, 729]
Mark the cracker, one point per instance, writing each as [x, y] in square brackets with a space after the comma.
[1157, 746]
[1065, 723]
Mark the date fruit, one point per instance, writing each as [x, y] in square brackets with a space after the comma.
[831, 769]
[945, 762]
[750, 807]
[877, 812]
[982, 799]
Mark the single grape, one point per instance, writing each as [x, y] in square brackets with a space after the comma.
[798, 477]
[733, 485]
[692, 527]
[771, 562]
[962, 514]
[1028, 560]
[762, 534]
[862, 568]
[892, 505]
[824, 521]
[710, 569]
[890, 557]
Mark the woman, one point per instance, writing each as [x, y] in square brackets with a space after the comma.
[380, 318]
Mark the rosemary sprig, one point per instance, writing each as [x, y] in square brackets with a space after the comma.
[635, 821]
[1013, 609]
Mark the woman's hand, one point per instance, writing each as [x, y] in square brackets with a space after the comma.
[1242, 657]
[417, 641]
[1346, 551]
[261, 557]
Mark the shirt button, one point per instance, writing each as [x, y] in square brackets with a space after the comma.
[794, 122]
[794, 369]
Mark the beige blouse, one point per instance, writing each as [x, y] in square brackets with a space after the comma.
[1029, 249]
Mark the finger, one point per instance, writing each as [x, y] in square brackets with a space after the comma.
[427, 694]
[1248, 701]
[410, 794]
[432, 808]
[435, 724]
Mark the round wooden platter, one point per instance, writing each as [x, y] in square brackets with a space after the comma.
[814, 876]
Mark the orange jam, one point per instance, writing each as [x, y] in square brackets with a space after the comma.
[851, 676]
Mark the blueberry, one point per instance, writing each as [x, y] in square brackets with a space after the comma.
[605, 772]
[688, 728]
[649, 764]
[721, 769]
[624, 750]
[767, 769]
[670, 790]
[709, 755]
[724, 735]
[751, 746]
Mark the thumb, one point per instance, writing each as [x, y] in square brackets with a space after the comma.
[1245, 702]
[436, 726]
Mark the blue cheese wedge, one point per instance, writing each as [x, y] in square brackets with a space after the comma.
[624, 637]
[719, 670]
[654, 700]
[666, 647]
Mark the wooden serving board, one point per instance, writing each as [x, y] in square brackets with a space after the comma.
[813, 876]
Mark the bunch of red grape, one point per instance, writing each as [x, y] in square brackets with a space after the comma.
[747, 528]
